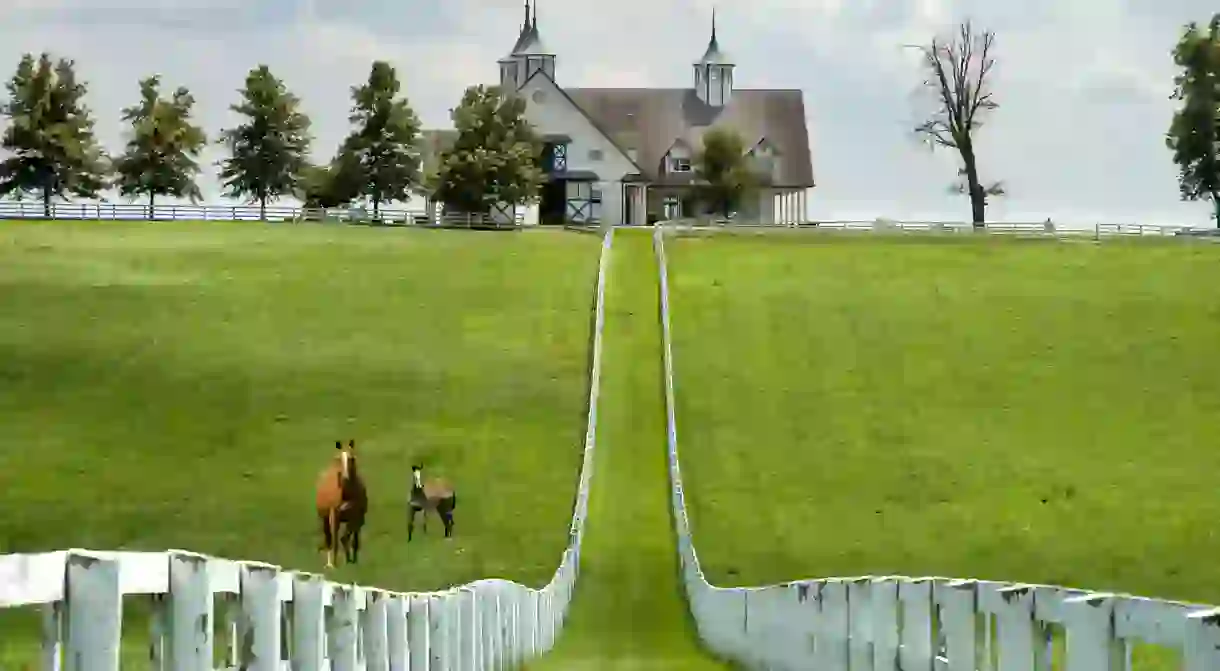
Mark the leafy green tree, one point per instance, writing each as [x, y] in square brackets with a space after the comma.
[323, 186]
[724, 170]
[957, 81]
[494, 158]
[160, 156]
[1194, 133]
[267, 152]
[49, 135]
[380, 155]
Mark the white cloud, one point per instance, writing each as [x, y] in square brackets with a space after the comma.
[1083, 83]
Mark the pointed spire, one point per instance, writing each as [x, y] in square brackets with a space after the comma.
[535, 24]
[713, 54]
[525, 26]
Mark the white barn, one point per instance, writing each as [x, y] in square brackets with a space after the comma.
[624, 156]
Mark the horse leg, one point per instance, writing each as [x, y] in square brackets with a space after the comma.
[447, 518]
[345, 541]
[411, 521]
[332, 536]
[326, 540]
[355, 545]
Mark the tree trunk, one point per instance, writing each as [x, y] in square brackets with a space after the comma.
[1216, 206]
[262, 206]
[152, 204]
[978, 196]
[46, 201]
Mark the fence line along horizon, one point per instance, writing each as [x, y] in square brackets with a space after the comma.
[412, 213]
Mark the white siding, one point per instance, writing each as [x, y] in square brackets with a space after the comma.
[554, 113]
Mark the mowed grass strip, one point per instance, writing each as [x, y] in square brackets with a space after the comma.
[628, 611]
[1024, 411]
[181, 385]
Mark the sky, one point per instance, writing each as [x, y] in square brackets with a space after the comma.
[1083, 85]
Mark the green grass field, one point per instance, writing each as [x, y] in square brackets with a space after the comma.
[181, 385]
[1024, 411]
[628, 611]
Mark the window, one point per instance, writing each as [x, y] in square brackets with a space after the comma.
[672, 207]
[595, 154]
[554, 157]
[681, 165]
[595, 194]
[539, 96]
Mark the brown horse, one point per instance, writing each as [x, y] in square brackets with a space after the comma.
[435, 494]
[342, 503]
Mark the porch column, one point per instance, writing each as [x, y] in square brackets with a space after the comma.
[787, 207]
[644, 205]
[780, 215]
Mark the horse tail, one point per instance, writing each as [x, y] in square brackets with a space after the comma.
[448, 503]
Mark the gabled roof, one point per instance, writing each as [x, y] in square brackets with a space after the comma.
[765, 143]
[649, 120]
[593, 121]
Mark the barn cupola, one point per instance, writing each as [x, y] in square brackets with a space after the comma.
[529, 54]
[714, 73]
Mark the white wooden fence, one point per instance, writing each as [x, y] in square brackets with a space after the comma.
[925, 624]
[274, 213]
[293, 620]
[1023, 229]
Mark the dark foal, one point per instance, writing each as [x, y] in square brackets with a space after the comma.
[342, 503]
[435, 494]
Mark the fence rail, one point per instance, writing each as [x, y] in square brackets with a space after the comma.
[273, 213]
[298, 620]
[1024, 229]
[928, 623]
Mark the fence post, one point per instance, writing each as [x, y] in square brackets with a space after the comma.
[1091, 645]
[1015, 621]
[832, 638]
[915, 596]
[375, 631]
[342, 628]
[884, 617]
[492, 624]
[419, 640]
[308, 637]
[1202, 651]
[958, 600]
[397, 648]
[259, 627]
[190, 613]
[95, 612]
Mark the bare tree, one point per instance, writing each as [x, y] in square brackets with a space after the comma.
[957, 74]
